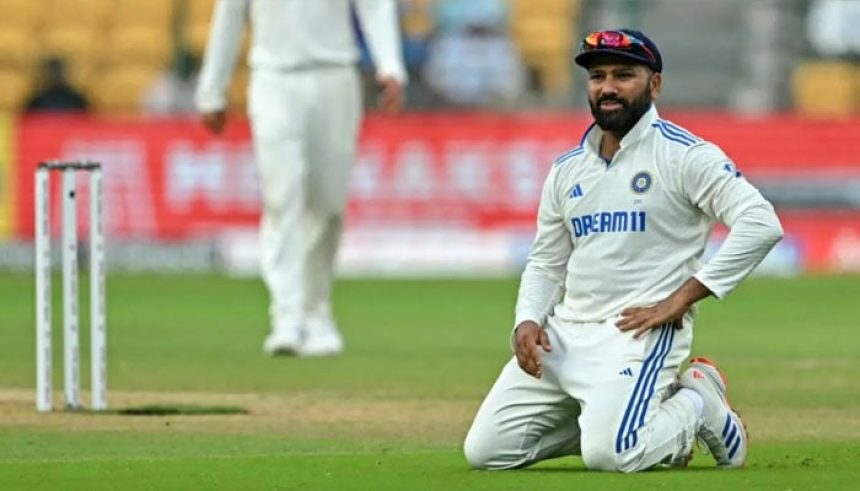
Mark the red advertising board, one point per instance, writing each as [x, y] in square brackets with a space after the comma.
[164, 179]
[824, 241]
[167, 179]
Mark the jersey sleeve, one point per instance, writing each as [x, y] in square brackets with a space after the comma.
[379, 23]
[542, 282]
[222, 49]
[713, 184]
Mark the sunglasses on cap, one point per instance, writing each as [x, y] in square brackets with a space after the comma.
[600, 40]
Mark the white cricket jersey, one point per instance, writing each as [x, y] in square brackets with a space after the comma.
[629, 232]
[295, 35]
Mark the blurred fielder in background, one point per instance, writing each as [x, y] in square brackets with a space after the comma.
[609, 289]
[305, 108]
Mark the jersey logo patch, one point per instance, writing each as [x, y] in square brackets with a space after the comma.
[731, 169]
[626, 372]
[641, 182]
[576, 192]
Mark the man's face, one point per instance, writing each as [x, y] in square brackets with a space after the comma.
[620, 93]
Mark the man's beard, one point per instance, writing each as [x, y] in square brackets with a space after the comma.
[620, 120]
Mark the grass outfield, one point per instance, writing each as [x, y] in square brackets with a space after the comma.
[392, 412]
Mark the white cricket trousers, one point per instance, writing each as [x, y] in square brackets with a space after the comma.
[603, 395]
[305, 125]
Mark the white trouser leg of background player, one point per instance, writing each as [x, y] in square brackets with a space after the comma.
[602, 391]
[305, 125]
[334, 129]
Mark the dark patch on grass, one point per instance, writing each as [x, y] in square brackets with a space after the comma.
[178, 410]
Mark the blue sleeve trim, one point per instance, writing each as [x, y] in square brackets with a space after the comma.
[677, 129]
[570, 153]
[677, 138]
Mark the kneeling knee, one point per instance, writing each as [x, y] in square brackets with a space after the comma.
[602, 456]
[477, 455]
[483, 455]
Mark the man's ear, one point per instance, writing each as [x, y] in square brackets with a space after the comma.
[655, 83]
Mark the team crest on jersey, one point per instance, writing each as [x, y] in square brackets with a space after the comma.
[641, 182]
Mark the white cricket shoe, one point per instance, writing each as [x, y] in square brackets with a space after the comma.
[683, 458]
[322, 338]
[283, 342]
[722, 429]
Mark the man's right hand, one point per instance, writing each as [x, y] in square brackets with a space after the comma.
[390, 95]
[529, 336]
[214, 121]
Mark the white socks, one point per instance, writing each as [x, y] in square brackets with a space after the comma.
[697, 401]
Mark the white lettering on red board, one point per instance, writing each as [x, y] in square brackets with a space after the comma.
[221, 177]
[128, 201]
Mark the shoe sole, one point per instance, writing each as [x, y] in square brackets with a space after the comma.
[281, 349]
[282, 352]
[710, 363]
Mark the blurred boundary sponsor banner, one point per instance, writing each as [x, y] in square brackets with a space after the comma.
[428, 191]
[401, 252]
[164, 179]
[7, 179]
[483, 171]
[830, 241]
[168, 179]
[814, 243]
[812, 192]
[780, 146]
[131, 256]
